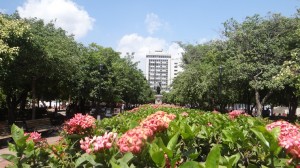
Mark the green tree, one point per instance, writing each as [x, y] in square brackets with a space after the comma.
[258, 49]
[44, 61]
[17, 66]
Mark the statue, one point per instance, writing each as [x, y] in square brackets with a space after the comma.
[158, 88]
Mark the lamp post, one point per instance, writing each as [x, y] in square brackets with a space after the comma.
[220, 86]
[100, 69]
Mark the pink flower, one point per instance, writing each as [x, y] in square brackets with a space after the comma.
[133, 140]
[158, 121]
[35, 136]
[235, 113]
[289, 137]
[79, 124]
[98, 143]
[184, 114]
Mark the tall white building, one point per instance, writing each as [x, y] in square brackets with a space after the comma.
[161, 69]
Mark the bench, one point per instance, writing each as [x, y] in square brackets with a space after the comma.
[39, 125]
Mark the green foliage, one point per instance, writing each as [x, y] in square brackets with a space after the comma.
[259, 56]
[213, 157]
[11, 33]
[27, 154]
[197, 140]
[118, 79]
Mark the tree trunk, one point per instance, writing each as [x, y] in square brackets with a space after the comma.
[82, 105]
[23, 102]
[293, 107]
[259, 104]
[12, 105]
[33, 97]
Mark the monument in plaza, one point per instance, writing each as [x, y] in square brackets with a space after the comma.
[158, 96]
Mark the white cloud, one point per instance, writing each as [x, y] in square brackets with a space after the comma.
[175, 50]
[203, 40]
[154, 23]
[66, 14]
[142, 45]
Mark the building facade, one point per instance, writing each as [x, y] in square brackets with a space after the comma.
[161, 70]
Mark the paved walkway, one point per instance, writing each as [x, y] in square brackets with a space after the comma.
[3, 163]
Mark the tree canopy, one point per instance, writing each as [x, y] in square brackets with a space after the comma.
[244, 66]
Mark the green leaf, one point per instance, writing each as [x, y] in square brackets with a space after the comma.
[213, 157]
[186, 131]
[227, 136]
[173, 142]
[252, 166]
[12, 147]
[157, 155]
[161, 144]
[191, 164]
[24, 165]
[261, 137]
[10, 157]
[268, 138]
[133, 124]
[194, 155]
[18, 135]
[232, 160]
[114, 165]
[275, 148]
[125, 159]
[85, 157]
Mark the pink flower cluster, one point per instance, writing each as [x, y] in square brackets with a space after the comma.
[79, 124]
[215, 112]
[235, 113]
[289, 137]
[34, 136]
[98, 143]
[184, 114]
[134, 110]
[158, 121]
[133, 140]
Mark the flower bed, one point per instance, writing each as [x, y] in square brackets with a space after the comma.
[163, 136]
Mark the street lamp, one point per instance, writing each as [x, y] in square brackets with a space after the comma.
[100, 69]
[220, 85]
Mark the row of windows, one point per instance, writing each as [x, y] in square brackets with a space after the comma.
[158, 71]
[159, 79]
[157, 61]
[158, 65]
[158, 74]
[157, 68]
[163, 80]
[158, 56]
[162, 84]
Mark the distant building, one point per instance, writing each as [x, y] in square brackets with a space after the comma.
[161, 69]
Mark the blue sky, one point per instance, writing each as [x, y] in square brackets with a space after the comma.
[143, 26]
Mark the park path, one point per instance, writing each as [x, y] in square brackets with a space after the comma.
[3, 162]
